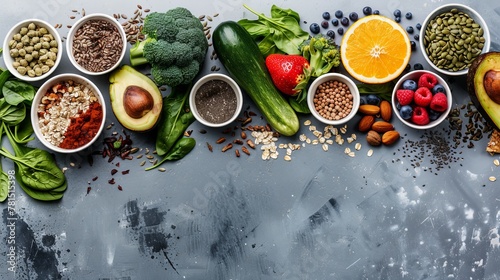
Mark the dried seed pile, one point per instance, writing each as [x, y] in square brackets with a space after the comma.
[473, 130]
[133, 24]
[333, 100]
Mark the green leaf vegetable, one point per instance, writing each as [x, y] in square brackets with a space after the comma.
[384, 91]
[4, 184]
[299, 106]
[175, 46]
[280, 33]
[16, 92]
[181, 148]
[322, 53]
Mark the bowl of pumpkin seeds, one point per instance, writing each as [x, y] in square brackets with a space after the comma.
[451, 37]
[32, 50]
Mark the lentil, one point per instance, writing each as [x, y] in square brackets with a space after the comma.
[333, 100]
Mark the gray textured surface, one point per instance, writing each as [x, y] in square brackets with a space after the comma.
[323, 215]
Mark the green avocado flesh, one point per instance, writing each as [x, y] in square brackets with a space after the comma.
[135, 99]
[483, 85]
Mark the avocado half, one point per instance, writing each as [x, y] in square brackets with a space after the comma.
[483, 85]
[136, 101]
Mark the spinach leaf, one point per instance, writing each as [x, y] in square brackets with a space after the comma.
[4, 185]
[12, 114]
[280, 12]
[267, 46]
[39, 195]
[23, 132]
[176, 118]
[4, 76]
[16, 92]
[181, 148]
[256, 28]
[299, 106]
[382, 90]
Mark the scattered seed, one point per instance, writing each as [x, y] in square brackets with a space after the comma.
[142, 163]
[120, 188]
[220, 140]
[245, 150]
[357, 146]
[111, 181]
[227, 147]
[113, 171]
[287, 158]
[210, 148]
[243, 135]
[161, 169]
[237, 153]
[209, 18]
[125, 172]
[492, 178]
[496, 162]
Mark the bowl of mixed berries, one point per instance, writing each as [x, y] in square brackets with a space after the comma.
[421, 99]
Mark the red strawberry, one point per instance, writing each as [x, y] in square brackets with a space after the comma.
[422, 97]
[439, 102]
[427, 80]
[288, 72]
[420, 116]
[404, 96]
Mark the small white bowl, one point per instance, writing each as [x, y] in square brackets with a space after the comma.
[38, 98]
[211, 77]
[447, 8]
[8, 60]
[415, 75]
[333, 77]
[70, 42]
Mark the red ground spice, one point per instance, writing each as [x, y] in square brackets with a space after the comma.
[83, 128]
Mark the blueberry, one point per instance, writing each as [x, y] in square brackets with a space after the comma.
[418, 66]
[406, 112]
[413, 45]
[353, 16]
[326, 15]
[397, 13]
[433, 115]
[410, 84]
[362, 100]
[409, 29]
[398, 106]
[330, 33]
[344, 21]
[416, 37]
[376, 12]
[418, 26]
[367, 10]
[340, 30]
[409, 15]
[325, 24]
[339, 14]
[408, 67]
[314, 27]
[397, 19]
[372, 99]
[335, 22]
[438, 88]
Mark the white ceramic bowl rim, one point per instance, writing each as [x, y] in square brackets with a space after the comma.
[234, 86]
[78, 24]
[42, 90]
[473, 14]
[328, 77]
[8, 59]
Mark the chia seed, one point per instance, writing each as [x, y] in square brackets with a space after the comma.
[216, 101]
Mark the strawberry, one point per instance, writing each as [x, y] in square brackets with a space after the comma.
[427, 80]
[420, 116]
[422, 97]
[439, 102]
[404, 96]
[290, 73]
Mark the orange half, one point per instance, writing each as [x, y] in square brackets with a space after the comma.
[375, 49]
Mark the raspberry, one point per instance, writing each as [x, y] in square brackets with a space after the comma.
[422, 97]
[439, 102]
[427, 80]
[404, 96]
[420, 116]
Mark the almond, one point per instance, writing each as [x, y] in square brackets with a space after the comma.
[373, 138]
[365, 123]
[382, 126]
[385, 110]
[390, 137]
[368, 109]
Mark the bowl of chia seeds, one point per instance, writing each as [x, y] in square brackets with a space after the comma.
[32, 50]
[451, 37]
[216, 100]
[96, 44]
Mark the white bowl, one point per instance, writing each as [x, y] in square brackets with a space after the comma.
[447, 8]
[415, 75]
[8, 60]
[333, 77]
[211, 77]
[38, 98]
[70, 42]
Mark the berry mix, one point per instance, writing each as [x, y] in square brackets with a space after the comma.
[421, 101]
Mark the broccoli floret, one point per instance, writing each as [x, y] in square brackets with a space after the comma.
[322, 52]
[175, 46]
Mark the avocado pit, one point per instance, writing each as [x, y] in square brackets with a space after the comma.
[492, 85]
[137, 101]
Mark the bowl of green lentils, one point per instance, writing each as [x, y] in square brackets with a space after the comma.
[451, 37]
[32, 50]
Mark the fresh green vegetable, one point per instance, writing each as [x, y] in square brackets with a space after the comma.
[176, 118]
[181, 148]
[242, 58]
[299, 106]
[382, 90]
[280, 33]
[16, 91]
[4, 184]
[3, 78]
[322, 52]
[175, 46]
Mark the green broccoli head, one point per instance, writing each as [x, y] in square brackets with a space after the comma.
[174, 75]
[322, 53]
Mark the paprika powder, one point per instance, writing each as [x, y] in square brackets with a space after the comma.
[82, 129]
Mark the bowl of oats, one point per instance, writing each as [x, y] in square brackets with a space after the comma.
[68, 113]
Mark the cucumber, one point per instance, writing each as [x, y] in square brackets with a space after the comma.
[242, 58]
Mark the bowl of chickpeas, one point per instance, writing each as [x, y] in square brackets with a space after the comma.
[32, 50]
[333, 98]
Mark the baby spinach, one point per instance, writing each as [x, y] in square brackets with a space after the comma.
[12, 114]
[4, 184]
[181, 148]
[15, 92]
[279, 33]
[176, 118]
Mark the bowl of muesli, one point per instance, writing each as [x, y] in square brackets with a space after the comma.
[68, 113]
